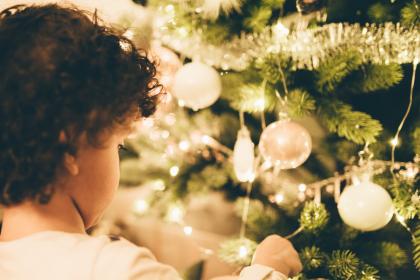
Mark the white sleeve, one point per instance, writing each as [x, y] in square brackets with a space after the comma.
[260, 272]
[123, 260]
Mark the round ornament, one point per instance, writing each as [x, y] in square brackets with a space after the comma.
[308, 6]
[243, 157]
[168, 64]
[365, 206]
[285, 144]
[197, 85]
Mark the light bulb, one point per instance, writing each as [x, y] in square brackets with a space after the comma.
[174, 170]
[188, 230]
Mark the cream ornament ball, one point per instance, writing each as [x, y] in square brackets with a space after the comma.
[285, 144]
[365, 206]
[197, 85]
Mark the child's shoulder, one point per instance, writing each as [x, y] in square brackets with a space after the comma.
[80, 256]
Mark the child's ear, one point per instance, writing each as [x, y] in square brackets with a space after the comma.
[70, 164]
[69, 161]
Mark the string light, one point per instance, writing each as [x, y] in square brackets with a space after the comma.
[188, 230]
[243, 251]
[184, 145]
[394, 141]
[400, 218]
[140, 206]
[259, 104]
[279, 198]
[174, 170]
[302, 187]
[181, 103]
[205, 139]
[170, 9]
[175, 214]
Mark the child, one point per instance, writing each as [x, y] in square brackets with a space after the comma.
[70, 89]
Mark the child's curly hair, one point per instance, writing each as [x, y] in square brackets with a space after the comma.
[60, 71]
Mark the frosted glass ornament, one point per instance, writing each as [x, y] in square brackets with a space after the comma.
[365, 206]
[243, 156]
[285, 144]
[197, 85]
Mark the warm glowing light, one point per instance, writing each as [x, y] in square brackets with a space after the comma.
[394, 141]
[175, 214]
[243, 251]
[302, 187]
[174, 170]
[188, 230]
[206, 139]
[279, 198]
[400, 218]
[140, 206]
[184, 145]
[181, 103]
[259, 104]
[170, 8]
[280, 30]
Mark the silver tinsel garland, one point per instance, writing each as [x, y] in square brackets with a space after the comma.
[306, 47]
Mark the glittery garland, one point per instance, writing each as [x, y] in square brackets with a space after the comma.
[306, 47]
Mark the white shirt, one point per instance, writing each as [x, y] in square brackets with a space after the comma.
[66, 256]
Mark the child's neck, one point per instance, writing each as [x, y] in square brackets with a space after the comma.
[27, 218]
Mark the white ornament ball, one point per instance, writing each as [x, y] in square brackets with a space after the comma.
[197, 85]
[365, 206]
[243, 157]
[285, 144]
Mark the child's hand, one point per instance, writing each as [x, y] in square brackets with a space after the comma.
[278, 253]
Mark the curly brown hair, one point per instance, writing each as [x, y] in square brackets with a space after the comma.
[60, 70]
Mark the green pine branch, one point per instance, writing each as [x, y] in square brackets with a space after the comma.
[373, 77]
[416, 139]
[312, 258]
[246, 92]
[355, 126]
[368, 272]
[380, 12]
[258, 19]
[343, 265]
[410, 14]
[300, 103]
[334, 69]
[389, 256]
[402, 193]
[314, 217]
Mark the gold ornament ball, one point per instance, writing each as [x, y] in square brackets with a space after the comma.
[285, 144]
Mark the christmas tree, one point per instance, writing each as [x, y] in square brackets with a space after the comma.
[327, 92]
